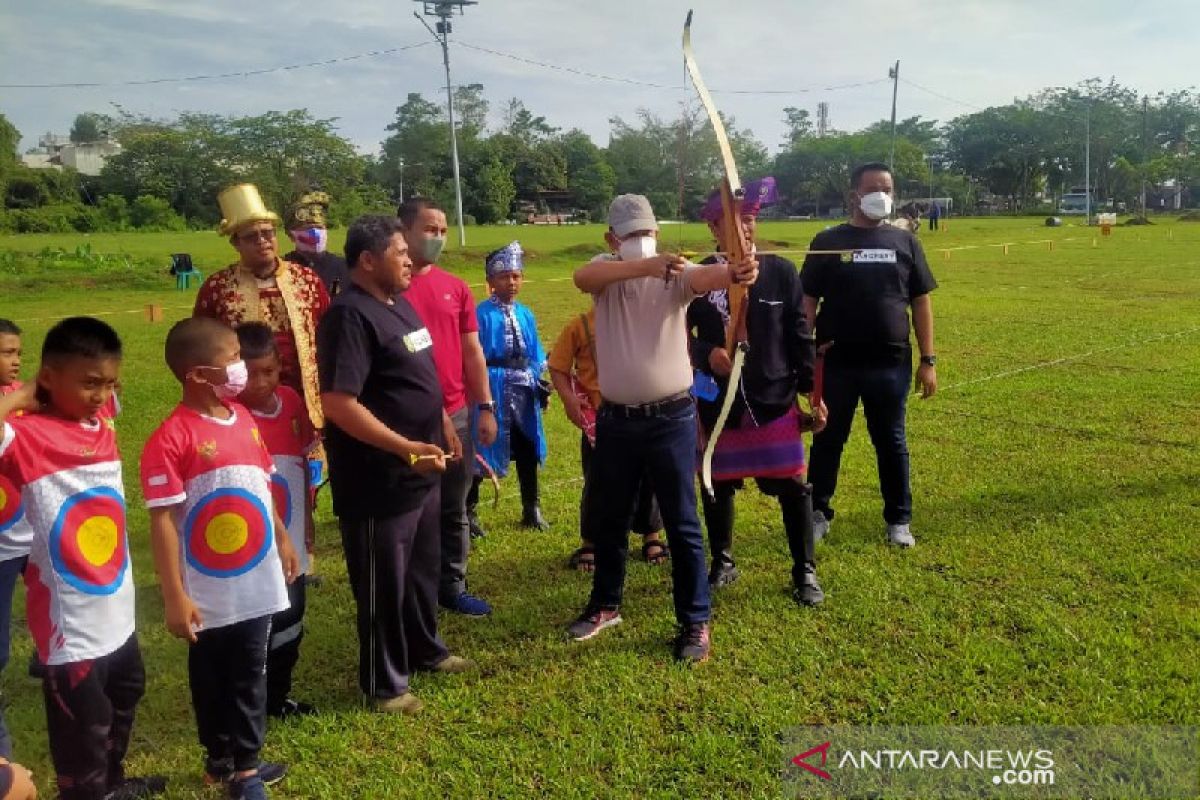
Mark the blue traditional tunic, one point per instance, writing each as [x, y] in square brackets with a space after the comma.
[515, 361]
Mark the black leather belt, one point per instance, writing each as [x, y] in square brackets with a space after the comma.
[659, 408]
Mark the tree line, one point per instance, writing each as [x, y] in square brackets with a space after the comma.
[1015, 158]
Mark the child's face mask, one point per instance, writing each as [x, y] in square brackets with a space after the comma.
[236, 376]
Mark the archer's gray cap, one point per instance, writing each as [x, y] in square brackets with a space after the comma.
[629, 213]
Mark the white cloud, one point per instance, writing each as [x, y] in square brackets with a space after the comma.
[979, 52]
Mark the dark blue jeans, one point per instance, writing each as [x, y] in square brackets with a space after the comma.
[626, 449]
[10, 570]
[883, 390]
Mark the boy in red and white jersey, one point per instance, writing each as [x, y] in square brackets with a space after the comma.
[289, 436]
[206, 477]
[62, 457]
[14, 528]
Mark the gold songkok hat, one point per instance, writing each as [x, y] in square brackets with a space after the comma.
[310, 210]
[242, 205]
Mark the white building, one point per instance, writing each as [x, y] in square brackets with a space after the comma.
[55, 151]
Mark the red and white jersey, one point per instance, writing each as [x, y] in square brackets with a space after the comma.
[289, 436]
[15, 533]
[79, 579]
[215, 475]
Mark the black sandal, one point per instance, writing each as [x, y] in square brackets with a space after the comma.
[659, 558]
[583, 559]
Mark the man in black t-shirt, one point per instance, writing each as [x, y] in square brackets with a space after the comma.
[859, 299]
[388, 440]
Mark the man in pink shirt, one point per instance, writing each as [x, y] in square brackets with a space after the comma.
[445, 304]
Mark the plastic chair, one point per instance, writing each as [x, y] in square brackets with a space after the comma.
[184, 271]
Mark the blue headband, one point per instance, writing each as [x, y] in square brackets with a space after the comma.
[506, 259]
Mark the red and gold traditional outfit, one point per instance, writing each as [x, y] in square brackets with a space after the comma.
[291, 302]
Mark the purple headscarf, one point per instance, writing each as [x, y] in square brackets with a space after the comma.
[758, 193]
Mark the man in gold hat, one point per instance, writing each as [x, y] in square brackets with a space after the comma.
[262, 287]
[307, 224]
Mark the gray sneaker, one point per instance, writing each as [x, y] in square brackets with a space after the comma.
[900, 536]
[821, 525]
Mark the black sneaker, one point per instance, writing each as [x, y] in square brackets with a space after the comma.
[722, 574]
[477, 531]
[808, 592]
[592, 621]
[134, 788]
[292, 708]
[693, 644]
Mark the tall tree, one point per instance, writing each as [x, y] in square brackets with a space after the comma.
[799, 126]
[87, 128]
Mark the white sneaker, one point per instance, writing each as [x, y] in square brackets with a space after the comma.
[821, 525]
[900, 536]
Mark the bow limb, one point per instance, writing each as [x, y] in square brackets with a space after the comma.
[734, 243]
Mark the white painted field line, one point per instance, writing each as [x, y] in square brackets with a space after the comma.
[1067, 359]
[99, 314]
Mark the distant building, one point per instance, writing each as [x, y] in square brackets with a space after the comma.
[1168, 196]
[56, 151]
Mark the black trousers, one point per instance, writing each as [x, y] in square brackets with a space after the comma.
[227, 671]
[524, 454]
[646, 517]
[287, 631]
[89, 717]
[795, 506]
[393, 564]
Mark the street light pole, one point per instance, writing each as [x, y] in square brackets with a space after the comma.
[1087, 162]
[401, 179]
[443, 10]
[894, 74]
[931, 179]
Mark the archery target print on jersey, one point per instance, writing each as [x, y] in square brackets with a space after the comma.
[227, 532]
[281, 493]
[87, 543]
[12, 511]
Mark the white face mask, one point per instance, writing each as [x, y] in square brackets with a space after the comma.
[876, 205]
[636, 248]
[236, 378]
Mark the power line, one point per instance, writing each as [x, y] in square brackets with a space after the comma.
[946, 97]
[561, 68]
[220, 76]
[635, 82]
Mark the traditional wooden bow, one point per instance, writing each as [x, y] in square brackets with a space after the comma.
[734, 243]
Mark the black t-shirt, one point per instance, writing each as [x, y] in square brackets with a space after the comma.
[330, 268]
[779, 362]
[383, 355]
[865, 294]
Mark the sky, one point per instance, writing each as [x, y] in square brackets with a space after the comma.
[758, 57]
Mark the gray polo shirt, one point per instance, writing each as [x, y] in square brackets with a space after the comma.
[641, 338]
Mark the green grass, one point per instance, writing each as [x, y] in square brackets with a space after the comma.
[1053, 581]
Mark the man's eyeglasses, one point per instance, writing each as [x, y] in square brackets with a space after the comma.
[260, 234]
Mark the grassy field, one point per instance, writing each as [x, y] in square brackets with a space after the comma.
[1056, 491]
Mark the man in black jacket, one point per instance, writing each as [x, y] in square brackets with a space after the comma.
[763, 435]
[308, 227]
